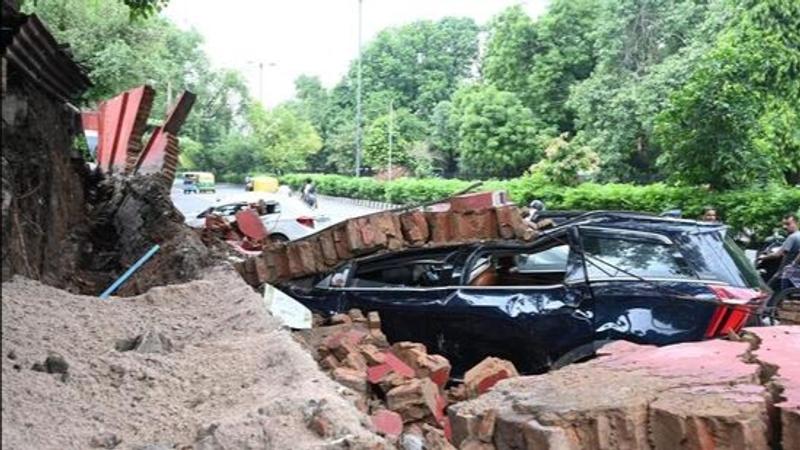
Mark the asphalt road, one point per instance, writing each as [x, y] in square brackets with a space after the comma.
[193, 204]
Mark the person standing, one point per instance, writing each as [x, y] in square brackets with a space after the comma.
[710, 214]
[789, 251]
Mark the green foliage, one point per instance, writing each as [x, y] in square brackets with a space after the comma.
[121, 53]
[719, 128]
[566, 162]
[418, 64]
[281, 140]
[497, 135]
[760, 209]
[408, 130]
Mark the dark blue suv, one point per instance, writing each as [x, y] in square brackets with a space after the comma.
[590, 279]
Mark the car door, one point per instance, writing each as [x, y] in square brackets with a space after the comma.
[410, 310]
[644, 289]
[523, 314]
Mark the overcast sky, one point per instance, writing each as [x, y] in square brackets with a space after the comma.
[317, 37]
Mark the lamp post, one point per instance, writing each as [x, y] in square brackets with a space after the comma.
[261, 77]
[358, 98]
[391, 135]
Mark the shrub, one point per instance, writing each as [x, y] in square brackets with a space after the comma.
[760, 208]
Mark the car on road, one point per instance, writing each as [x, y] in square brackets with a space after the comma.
[592, 278]
[287, 218]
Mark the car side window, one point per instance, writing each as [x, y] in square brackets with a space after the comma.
[609, 257]
[439, 268]
[544, 266]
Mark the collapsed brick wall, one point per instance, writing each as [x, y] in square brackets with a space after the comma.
[384, 231]
[43, 184]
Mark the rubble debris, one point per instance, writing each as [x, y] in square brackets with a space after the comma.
[387, 423]
[54, 363]
[710, 394]
[486, 374]
[151, 341]
[401, 386]
[128, 215]
[105, 440]
[382, 231]
[789, 312]
[252, 379]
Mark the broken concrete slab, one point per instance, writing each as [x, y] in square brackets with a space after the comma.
[700, 395]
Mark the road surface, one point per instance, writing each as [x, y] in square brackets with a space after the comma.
[193, 204]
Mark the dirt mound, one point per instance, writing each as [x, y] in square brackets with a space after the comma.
[128, 216]
[198, 365]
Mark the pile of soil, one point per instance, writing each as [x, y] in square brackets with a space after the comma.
[128, 215]
[196, 365]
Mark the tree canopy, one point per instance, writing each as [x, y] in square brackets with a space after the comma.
[690, 92]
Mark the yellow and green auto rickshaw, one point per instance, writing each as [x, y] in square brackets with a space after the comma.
[199, 182]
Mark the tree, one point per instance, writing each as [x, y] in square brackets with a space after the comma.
[282, 140]
[408, 131]
[498, 136]
[121, 53]
[444, 139]
[724, 127]
[644, 49]
[419, 64]
[540, 60]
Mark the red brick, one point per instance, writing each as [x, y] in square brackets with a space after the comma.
[415, 227]
[388, 225]
[372, 354]
[472, 202]
[475, 225]
[414, 400]
[374, 320]
[377, 373]
[388, 423]
[509, 221]
[354, 379]
[440, 225]
[398, 365]
[486, 374]
[356, 315]
[329, 362]
[355, 360]
[327, 244]
[341, 242]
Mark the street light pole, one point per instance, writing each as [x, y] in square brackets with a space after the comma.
[391, 133]
[261, 82]
[358, 98]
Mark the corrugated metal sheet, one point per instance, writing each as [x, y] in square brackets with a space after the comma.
[29, 47]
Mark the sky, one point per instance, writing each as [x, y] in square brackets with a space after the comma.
[315, 37]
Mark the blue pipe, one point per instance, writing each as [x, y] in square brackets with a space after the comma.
[130, 272]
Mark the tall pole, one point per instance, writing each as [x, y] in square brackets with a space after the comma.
[358, 98]
[261, 82]
[391, 135]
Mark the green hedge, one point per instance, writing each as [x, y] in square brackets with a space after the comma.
[760, 209]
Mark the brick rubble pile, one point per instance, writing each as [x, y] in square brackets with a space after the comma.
[401, 386]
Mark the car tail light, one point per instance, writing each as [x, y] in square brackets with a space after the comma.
[306, 221]
[736, 305]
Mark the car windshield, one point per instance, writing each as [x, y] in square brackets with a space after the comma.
[716, 257]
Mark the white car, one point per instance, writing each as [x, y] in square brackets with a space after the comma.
[287, 218]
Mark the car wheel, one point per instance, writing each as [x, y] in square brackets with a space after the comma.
[278, 237]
